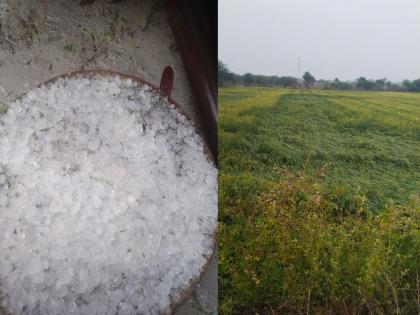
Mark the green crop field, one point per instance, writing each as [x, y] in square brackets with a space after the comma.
[319, 202]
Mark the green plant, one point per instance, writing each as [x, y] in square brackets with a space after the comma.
[70, 49]
[318, 202]
[3, 108]
[288, 251]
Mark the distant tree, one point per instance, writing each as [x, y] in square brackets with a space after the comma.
[379, 85]
[261, 80]
[388, 85]
[364, 84]
[411, 86]
[248, 79]
[225, 76]
[407, 86]
[340, 85]
[274, 80]
[335, 84]
[322, 84]
[416, 85]
[394, 87]
[308, 79]
[287, 81]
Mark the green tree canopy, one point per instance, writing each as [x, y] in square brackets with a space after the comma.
[226, 78]
[248, 79]
[308, 79]
[364, 84]
[225, 75]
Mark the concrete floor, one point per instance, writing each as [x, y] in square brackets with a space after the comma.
[40, 39]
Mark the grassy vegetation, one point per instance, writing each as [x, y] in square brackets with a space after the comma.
[319, 202]
[3, 108]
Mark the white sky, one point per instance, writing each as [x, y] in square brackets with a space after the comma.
[333, 38]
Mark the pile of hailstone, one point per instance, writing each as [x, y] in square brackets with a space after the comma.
[108, 202]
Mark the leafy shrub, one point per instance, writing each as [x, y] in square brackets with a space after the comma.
[297, 250]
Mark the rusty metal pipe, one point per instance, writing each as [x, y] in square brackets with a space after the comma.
[194, 25]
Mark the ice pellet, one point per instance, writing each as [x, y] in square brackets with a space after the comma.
[108, 202]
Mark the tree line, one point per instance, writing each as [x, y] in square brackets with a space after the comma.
[228, 78]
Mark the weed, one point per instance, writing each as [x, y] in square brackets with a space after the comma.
[3, 108]
[70, 49]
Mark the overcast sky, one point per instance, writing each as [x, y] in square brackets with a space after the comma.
[333, 38]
